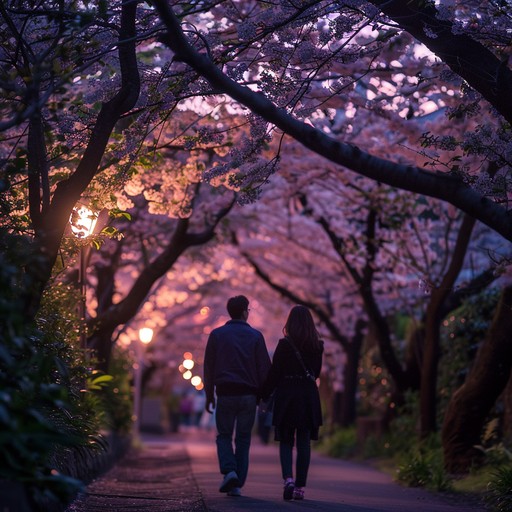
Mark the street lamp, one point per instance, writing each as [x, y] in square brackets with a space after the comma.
[83, 222]
[145, 337]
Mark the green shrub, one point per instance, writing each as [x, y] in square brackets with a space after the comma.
[43, 409]
[423, 467]
[341, 444]
[500, 489]
[35, 412]
[117, 397]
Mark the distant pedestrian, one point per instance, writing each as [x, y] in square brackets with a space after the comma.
[199, 401]
[297, 415]
[186, 408]
[236, 363]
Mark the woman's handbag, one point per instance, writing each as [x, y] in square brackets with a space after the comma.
[267, 410]
[309, 375]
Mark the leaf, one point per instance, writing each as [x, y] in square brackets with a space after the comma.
[120, 213]
[100, 381]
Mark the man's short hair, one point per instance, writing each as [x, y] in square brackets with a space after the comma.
[236, 306]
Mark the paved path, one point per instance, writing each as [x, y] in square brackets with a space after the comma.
[179, 473]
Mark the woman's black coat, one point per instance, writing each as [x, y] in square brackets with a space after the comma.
[297, 401]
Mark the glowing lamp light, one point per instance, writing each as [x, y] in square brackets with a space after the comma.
[83, 221]
[146, 335]
[195, 381]
[187, 375]
[187, 355]
[188, 364]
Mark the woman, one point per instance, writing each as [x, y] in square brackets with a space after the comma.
[297, 416]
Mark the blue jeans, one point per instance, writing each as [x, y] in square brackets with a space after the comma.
[303, 457]
[234, 414]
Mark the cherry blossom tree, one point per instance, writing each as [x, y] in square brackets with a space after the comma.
[90, 26]
[43, 46]
[124, 278]
[84, 114]
[473, 177]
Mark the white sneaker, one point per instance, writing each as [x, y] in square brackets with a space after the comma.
[230, 481]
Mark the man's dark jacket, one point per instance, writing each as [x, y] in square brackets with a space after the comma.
[236, 360]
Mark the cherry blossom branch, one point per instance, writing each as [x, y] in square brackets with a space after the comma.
[180, 241]
[447, 187]
[325, 318]
[53, 221]
[364, 280]
[483, 71]
[69, 191]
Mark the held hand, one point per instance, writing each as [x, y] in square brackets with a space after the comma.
[210, 405]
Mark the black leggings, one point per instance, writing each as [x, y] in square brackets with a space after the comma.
[303, 457]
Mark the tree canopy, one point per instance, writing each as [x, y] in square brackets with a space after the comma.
[317, 117]
[304, 63]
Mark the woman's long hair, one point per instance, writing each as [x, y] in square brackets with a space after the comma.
[300, 328]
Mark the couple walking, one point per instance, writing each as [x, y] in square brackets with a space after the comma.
[238, 373]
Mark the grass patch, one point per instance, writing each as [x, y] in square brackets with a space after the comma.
[420, 464]
[474, 483]
[424, 469]
[500, 489]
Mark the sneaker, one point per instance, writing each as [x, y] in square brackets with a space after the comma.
[236, 491]
[230, 481]
[289, 487]
[298, 493]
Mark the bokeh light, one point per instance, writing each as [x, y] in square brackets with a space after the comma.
[188, 364]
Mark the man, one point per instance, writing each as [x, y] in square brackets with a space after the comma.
[236, 363]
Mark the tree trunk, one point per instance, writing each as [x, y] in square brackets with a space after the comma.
[347, 415]
[100, 344]
[433, 318]
[428, 389]
[470, 404]
[507, 413]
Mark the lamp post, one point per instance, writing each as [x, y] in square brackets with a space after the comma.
[83, 222]
[145, 337]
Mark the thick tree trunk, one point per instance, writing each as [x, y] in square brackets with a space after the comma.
[100, 344]
[507, 413]
[414, 357]
[479, 66]
[471, 403]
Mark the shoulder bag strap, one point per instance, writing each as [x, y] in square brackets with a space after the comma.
[309, 375]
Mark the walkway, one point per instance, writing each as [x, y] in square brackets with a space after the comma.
[179, 473]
